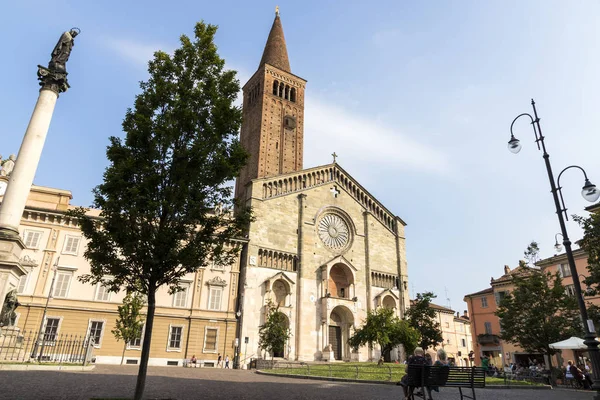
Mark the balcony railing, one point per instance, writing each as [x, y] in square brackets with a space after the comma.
[488, 338]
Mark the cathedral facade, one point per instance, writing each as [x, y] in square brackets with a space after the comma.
[321, 247]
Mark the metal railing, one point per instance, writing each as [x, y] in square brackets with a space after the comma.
[16, 346]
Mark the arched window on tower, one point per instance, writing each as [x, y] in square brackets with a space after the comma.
[275, 87]
[281, 87]
[286, 94]
[293, 95]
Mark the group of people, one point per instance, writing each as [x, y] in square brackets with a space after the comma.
[194, 361]
[581, 374]
[419, 357]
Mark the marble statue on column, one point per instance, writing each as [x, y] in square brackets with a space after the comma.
[7, 165]
[54, 77]
[8, 315]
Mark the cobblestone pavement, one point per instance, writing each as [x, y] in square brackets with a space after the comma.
[199, 383]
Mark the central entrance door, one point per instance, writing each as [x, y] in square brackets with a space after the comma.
[335, 339]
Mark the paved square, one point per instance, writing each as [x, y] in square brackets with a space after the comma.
[208, 383]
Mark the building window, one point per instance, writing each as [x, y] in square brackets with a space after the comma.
[214, 298]
[488, 328]
[96, 328]
[484, 302]
[32, 238]
[463, 342]
[71, 245]
[62, 283]
[102, 293]
[217, 266]
[500, 296]
[564, 270]
[23, 283]
[570, 290]
[136, 343]
[211, 336]
[180, 298]
[51, 330]
[175, 333]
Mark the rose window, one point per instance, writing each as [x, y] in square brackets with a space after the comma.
[333, 231]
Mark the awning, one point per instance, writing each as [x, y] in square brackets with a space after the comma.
[572, 343]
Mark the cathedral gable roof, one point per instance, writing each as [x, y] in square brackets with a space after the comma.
[387, 291]
[275, 52]
[299, 181]
[340, 259]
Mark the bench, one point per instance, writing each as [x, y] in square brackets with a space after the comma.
[426, 377]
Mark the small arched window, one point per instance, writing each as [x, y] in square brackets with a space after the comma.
[275, 87]
[293, 95]
[287, 92]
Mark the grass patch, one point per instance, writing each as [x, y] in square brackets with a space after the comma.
[357, 371]
[388, 372]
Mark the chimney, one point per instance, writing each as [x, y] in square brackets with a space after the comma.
[465, 314]
[506, 269]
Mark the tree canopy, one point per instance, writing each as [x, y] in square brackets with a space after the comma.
[383, 327]
[538, 312]
[422, 317]
[166, 178]
[591, 244]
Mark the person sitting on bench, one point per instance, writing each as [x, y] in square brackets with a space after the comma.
[416, 359]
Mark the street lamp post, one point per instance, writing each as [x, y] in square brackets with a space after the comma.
[590, 193]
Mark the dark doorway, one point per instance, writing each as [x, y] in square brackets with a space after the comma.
[278, 353]
[335, 339]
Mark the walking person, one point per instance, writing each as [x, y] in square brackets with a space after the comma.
[220, 361]
[227, 361]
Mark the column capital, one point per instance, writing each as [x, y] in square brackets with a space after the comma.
[52, 80]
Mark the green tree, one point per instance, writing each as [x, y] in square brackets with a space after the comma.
[591, 244]
[532, 253]
[422, 317]
[383, 327]
[129, 324]
[165, 178]
[274, 333]
[538, 312]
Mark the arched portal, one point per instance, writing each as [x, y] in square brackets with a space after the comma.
[389, 302]
[341, 281]
[281, 291]
[340, 321]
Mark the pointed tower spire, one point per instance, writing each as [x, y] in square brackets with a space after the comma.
[275, 53]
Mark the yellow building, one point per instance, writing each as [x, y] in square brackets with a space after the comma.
[198, 321]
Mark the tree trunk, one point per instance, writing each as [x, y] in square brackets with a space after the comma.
[123, 355]
[141, 379]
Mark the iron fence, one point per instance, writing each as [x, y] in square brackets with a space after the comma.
[26, 346]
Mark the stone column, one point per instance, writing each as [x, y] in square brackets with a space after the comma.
[53, 81]
[19, 185]
[298, 333]
[27, 161]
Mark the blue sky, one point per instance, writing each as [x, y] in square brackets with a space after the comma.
[416, 98]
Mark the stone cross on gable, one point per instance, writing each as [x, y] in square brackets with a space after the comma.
[334, 191]
[334, 156]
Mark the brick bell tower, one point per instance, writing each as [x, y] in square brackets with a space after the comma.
[273, 115]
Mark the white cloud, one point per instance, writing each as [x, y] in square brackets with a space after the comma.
[136, 53]
[363, 140]
[356, 138]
